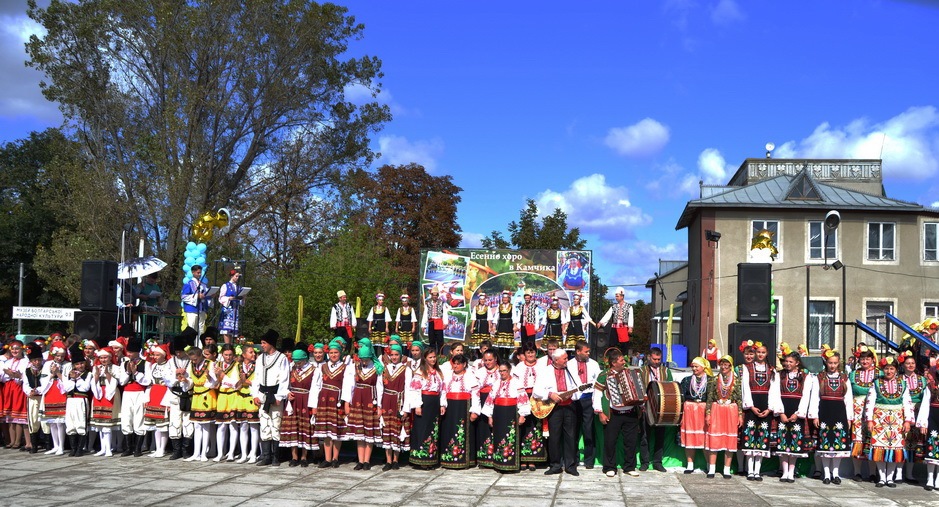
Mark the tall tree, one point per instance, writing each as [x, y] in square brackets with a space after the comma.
[182, 107]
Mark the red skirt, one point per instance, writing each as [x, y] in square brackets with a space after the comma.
[154, 413]
[53, 403]
[14, 403]
[104, 413]
[692, 425]
[722, 432]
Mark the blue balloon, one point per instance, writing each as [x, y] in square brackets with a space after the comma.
[186, 279]
[186, 270]
[191, 245]
[200, 248]
[190, 253]
[200, 260]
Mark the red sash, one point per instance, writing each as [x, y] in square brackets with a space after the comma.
[436, 324]
[622, 334]
[530, 329]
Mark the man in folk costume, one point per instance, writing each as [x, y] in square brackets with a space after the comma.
[195, 304]
[528, 319]
[76, 386]
[406, 319]
[434, 319]
[270, 389]
[342, 318]
[614, 404]
[551, 383]
[586, 371]
[53, 400]
[653, 371]
[132, 376]
[179, 399]
[620, 318]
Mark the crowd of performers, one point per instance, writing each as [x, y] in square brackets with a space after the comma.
[255, 404]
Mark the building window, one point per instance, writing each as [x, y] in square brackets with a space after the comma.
[818, 236]
[875, 316]
[930, 249]
[821, 324]
[880, 241]
[773, 227]
[931, 310]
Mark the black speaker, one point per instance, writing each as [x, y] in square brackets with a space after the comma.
[99, 286]
[96, 325]
[740, 332]
[753, 292]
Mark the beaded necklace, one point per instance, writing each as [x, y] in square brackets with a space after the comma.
[725, 387]
[698, 386]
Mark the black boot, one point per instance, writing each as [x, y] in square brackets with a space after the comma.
[82, 442]
[177, 448]
[275, 448]
[73, 443]
[265, 459]
[34, 439]
[138, 445]
[129, 441]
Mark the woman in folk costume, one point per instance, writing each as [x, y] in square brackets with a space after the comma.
[446, 367]
[461, 388]
[480, 321]
[424, 400]
[790, 399]
[246, 415]
[487, 371]
[724, 416]
[577, 321]
[889, 413]
[406, 319]
[927, 422]
[204, 402]
[555, 321]
[505, 328]
[862, 379]
[296, 431]
[330, 395]
[53, 401]
[711, 353]
[756, 381]
[749, 354]
[229, 322]
[379, 321]
[694, 389]
[14, 399]
[916, 384]
[831, 410]
[364, 425]
[156, 409]
[106, 401]
[394, 430]
[229, 399]
[531, 432]
[506, 408]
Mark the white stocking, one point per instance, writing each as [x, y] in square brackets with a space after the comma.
[826, 467]
[930, 475]
[255, 438]
[245, 441]
[197, 443]
[749, 465]
[757, 465]
[891, 470]
[220, 431]
[232, 441]
[882, 471]
[106, 442]
[206, 440]
[784, 463]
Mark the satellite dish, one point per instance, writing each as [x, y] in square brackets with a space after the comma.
[770, 146]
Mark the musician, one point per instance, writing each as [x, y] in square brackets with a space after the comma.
[379, 320]
[230, 319]
[586, 371]
[555, 321]
[461, 395]
[505, 409]
[578, 319]
[406, 319]
[75, 384]
[551, 383]
[133, 378]
[364, 423]
[531, 441]
[916, 384]
[270, 390]
[342, 319]
[620, 318]
[694, 396]
[653, 371]
[927, 421]
[724, 415]
[195, 305]
[503, 318]
[434, 319]
[756, 381]
[618, 417]
[888, 411]
[831, 410]
[394, 380]
[528, 319]
[481, 321]
[487, 371]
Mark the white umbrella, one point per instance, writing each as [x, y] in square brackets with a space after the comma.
[138, 267]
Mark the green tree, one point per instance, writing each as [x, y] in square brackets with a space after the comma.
[641, 337]
[183, 107]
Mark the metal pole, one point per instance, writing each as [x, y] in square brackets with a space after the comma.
[844, 307]
[808, 279]
[19, 322]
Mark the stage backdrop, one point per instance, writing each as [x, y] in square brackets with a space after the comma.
[464, 273]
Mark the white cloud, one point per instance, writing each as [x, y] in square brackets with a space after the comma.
[642, 139]
[397, 150]
[934, 205]
[637, 262]
[595, 207]
[726, 12]
[359, 94]
[21, 94]
[908, 143]
[712, 166]
[676, 181]
[471, 240]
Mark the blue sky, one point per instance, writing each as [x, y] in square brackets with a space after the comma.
[615, 110]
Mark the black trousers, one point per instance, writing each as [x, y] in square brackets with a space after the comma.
[584, 407]
[434, 337]
[626, 425]
[650, 432]
[524, 337]
[562, 441]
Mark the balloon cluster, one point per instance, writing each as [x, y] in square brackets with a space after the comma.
[195, 256]
[204, 227]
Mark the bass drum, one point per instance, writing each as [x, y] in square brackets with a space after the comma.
[663, 403]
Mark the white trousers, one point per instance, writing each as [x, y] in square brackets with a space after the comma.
[32, 415]
[270, 422]
[76, 414]
[132, 412]
[191, 319]
[180, 425]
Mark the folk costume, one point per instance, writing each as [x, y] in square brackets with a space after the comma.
[134, 381]
[586, 373]
[888, 406]
[106, 401]
[204, 403]
[610, 400]
[194, 307]
[379, 320]
[833, 406]
[425, 392]
[52, 409]
[13, 396]
[556, 319]
[32, 388]
[756, 382]
[577, 321]
[76, 386]
[434, 319]
[394, 424]
[562, 424]
[230, 318]
[694, 390]
[480, 322]
[342, 320]
[724, 410]
[791, 396]
[246, 415]
[620, 318]
[927, 420]
[649, 373]
[861, 383]
[295, 428]
[364, 421]
[506, 403]
[529, 318]
[331, 389]
[504, 319]
[531, 432]
[488, 379]
[913, 449]
[179, 399]
[226, 408]
[270, 388]
[156, 407]
[457, 439]
[406, 320]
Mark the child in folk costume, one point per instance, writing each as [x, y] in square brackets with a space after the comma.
[156, 410]
[505, 409]
[296, 431]
[364, 423]
[531, 432]
[424, 400]
[76, 386]
[132, 376]
[724, 416]
[204, 397]
[927, 422]
[461, 400]
[862, 379]
[394, 433]
[53, 400]
[106, 401]
[790, 399]
[749, 354]
[330, 395]
[916, 384]
[14, 398]
[832, 410]
[247, 413]
[228, 402]
[756, 381]
[33, 388]
[889, 413]
[487, 372]
[694, 390]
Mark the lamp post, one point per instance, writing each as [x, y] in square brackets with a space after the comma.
[831, 223]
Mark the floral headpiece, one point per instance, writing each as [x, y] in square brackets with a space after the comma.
[744, 345]
[888, 361]
[828, 353]
[906, 354]
[757, 344]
